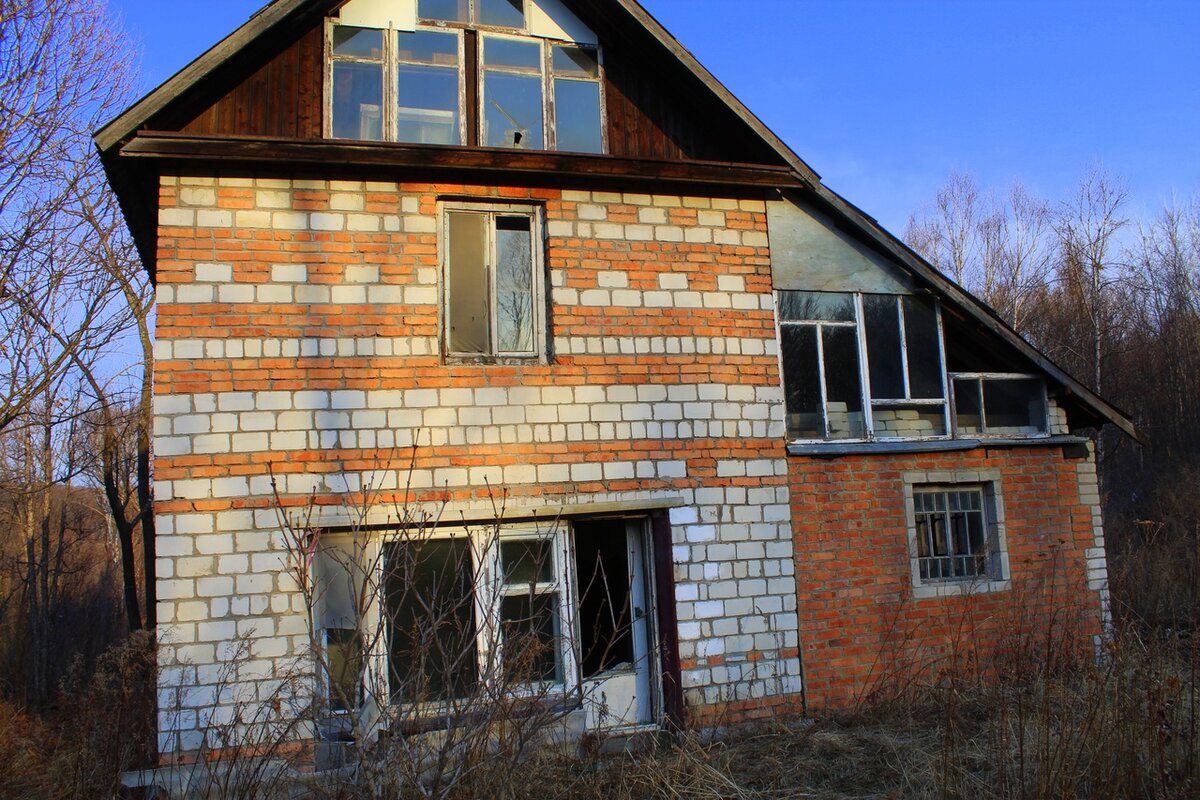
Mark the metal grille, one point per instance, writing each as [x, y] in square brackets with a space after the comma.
[951, 534]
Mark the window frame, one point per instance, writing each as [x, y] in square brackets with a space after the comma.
[988, 483]
[535, 213]
[869, 403]
[489, 592]
[471, 128]
[391, 82]
[982, 377]
[472, 17]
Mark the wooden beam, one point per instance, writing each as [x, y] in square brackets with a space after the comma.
[394, 159]
[282, 14]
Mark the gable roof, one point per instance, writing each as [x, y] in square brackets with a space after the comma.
[280, 16]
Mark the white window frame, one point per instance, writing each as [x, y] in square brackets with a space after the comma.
[869, 404]
[489, 591]
[540, 353]
[984, 377]
[391, 70]
[988, 482]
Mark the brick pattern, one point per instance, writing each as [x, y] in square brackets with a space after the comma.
[862, 626]
[298, 334]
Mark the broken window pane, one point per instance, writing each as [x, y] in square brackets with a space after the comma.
[882, 323]
[842, 384]
[514, 285]
[512, 111]
[802, 382]
[577, 123]
[467, 305]
[816, 307]
[530, 629]
[924, 353]
[1015, 406]
[444, 10]
[358, 101]
[430, 606]
[502, 13]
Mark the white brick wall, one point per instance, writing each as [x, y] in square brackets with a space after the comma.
[221, 574]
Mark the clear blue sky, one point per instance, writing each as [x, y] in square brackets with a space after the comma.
[885, 97]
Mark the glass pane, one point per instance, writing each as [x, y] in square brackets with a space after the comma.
[428, 99]
[529, 625]
[941, 545]
[357, 101]
[576, 62]
[924, 355]
[512, 111]
[908, 422]
[975, 533]
[514, 285]
[503, 13]
[443, 10]
[468, 301]
[958, 527]
[882, 323]
[358, 42]
[967, 406]
[1015, 407]
[527, 561]
[801, 381]
[816, 307]
[923, 536]
[577, 117]
[343, 651]
[430, 604]
[843, 392]
[512, 53]
[428, 47]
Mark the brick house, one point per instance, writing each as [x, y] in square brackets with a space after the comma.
[534, 253]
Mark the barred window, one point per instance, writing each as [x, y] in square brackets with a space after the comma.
[956, 535]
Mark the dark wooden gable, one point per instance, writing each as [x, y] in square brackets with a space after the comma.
[656, 108]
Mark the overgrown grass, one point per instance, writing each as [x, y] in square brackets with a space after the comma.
[1125, 724]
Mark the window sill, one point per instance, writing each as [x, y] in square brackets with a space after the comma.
[833, 449]
[933, 590]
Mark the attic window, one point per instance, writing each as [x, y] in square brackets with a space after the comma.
[492, 13]
[524, 92]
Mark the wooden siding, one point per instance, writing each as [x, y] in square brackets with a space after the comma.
[655, 108]
[282, 98]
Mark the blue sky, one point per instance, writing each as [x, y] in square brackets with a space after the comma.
[884, 98]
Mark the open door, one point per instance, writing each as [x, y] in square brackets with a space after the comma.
[615, 623]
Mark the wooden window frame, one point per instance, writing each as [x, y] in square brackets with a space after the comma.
[980, 378]
[391, 69]
[540, 353]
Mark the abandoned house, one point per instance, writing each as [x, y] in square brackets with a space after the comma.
[523, 277]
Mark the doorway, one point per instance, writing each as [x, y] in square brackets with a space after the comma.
[616, 649]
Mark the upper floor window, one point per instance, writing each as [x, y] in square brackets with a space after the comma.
[492, 13]
[419, 87]
[493, 282]
[866, 366]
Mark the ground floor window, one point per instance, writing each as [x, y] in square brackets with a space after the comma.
[956, 536]
[560, 611]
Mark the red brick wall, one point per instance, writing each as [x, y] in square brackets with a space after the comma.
[861, 630]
